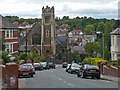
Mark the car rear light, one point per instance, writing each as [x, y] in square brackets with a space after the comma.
[18, 70]
[98, 70]
[30, 70]
[85, 69]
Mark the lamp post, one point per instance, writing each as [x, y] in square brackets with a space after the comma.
[26, 46]
[102, 43]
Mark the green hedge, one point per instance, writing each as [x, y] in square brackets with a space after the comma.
[93, 61]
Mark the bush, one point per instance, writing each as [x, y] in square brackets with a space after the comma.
[86, 61]
[93, 61]
[40, 59]
[23, 56]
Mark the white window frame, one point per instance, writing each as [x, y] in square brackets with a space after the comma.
[118, 40]
[9, 47]
[10, 33]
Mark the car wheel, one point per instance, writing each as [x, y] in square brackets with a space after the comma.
[82, 75]
[66, 70]
[32, 75]
[71, 72]
[98, 77]
[78, 75]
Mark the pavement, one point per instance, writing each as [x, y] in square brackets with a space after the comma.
[110, 78]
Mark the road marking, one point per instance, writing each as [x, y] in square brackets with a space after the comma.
[66, 82]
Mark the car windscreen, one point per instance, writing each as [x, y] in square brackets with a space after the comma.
[76, 65]
[92, 67]
[25, 66]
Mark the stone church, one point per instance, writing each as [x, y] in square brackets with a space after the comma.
[41, 37]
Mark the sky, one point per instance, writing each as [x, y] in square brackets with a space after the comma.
[72, 8]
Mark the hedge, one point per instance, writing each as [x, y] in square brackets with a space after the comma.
[93, 61]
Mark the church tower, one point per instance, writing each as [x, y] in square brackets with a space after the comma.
[48, 45]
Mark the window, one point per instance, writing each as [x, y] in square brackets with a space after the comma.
[118, 40]
[47, 33]
[8, 34]
[9, 47]
[118, 56]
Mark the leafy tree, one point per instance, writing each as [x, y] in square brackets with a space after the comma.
[75, 57]
[89, 30]
[101, 27]
[92, 47]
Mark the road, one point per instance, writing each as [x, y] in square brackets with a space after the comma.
[58, 78]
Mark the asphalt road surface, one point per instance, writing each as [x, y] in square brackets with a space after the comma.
[58, 78]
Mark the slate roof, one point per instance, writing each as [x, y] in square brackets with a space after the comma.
[116, 31]
[62, 41]
[77, 48]
[5, 23]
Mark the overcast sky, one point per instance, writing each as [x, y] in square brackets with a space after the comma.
[71, 8]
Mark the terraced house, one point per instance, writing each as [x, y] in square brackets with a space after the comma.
[10, 35]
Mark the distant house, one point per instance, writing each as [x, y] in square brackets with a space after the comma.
[88, 38]
[61, 32]
[10, 34]
[64, 26]
[115, 44]
[75, 37]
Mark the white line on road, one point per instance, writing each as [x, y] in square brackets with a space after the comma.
[66, 82]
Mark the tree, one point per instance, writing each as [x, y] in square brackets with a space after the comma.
[89, 30]
[101, 27]
[92, 48]
[75, 56]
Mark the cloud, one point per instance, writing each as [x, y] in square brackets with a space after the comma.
[72, 8]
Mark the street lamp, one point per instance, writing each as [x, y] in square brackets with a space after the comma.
[102, 42]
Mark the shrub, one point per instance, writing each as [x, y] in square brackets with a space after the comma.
[93, 61]
[86, 61]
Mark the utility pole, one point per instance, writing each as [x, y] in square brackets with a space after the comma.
[103, 44]
[26, 46]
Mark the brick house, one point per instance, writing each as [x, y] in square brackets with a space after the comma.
[10, 34]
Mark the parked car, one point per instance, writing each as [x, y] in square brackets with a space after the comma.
[74, 68]
[68, 67]
[26, 70]
[64, 65]
[38, 66]
[89, 70]
[45, 65]
[51, 65]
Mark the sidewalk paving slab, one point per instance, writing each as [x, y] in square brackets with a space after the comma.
[110, 78]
